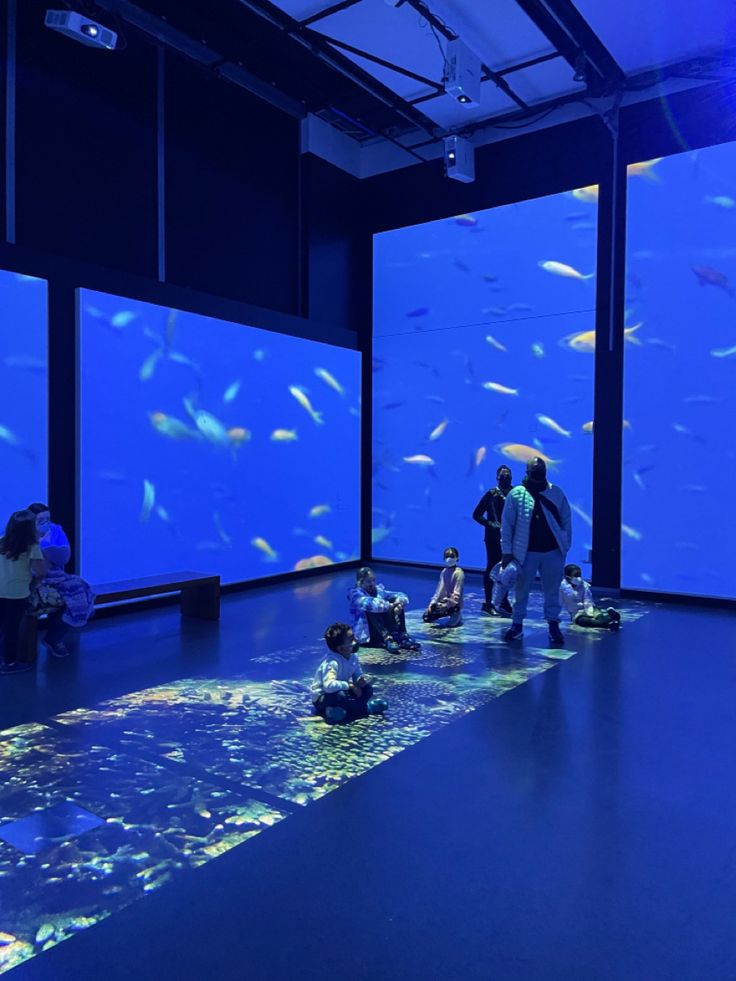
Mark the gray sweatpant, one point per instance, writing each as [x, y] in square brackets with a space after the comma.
[550, 566]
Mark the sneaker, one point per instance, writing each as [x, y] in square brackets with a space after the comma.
[375, 706]
[614, 613]
[515, 632]
[488, 609]
[57, 650]
[505, 609]
[554, 632]
[614, 625]
[391, 646]
[408, 643]
[335, 714]
[17, 667]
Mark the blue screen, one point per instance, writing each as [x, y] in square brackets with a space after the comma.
[680, 381]
[483, 354]
[211, 446]
[23, 392]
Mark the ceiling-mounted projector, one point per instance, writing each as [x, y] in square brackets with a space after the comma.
[462, 74]
[81, 28]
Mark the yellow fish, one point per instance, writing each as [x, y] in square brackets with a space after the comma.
[439, 429]
[318, 510]
[325, 542]
[238, 435]
[172, 427]
[554, 426]
[329, 379]
[304, 402]
[631, 532]
[313, 562]
[520, 453]
[262, 545]
[480, 455]
[420, 459]
[587, 194]
[584, 341]
[562, 269]
[501, 389]
[644, 169]
[284, 435]
[494, 343]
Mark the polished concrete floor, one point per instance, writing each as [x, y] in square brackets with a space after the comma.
[171, 811]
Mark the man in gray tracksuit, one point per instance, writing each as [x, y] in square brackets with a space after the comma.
[536, 531]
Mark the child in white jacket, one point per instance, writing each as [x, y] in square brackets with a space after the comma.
[577, 598]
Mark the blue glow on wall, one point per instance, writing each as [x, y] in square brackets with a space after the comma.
[23, 392]
[680, 383]
[212, 446]
[483, 354]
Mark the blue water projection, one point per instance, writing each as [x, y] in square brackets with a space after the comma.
[212, 446]
[680, 382]
[23, 392]
[484, 354]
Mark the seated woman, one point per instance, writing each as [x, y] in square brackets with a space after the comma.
[67, 599]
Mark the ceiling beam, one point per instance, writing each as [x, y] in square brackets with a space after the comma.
[334, 8]
[323, 50]
[344, 46]
[587, 40]
[570, 34]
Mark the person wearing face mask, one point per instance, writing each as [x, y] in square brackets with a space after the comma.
[536, 533]
[488, 513]
[577, 598]
[447, 603]
[378, 615]
[67, 599]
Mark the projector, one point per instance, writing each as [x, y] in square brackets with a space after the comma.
[462, 74]
[459, 159]
[81, 28]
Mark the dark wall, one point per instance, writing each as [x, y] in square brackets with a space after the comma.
[87, 177]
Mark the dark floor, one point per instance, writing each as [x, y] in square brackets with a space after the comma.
[580, 826]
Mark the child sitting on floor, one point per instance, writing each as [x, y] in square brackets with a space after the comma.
[447, 603]
[577, 598]
[340, 690]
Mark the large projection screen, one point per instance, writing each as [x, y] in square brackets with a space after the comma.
[679, 465]
[211, 446]
[484, 352]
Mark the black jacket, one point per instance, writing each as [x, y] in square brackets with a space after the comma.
[488, 513]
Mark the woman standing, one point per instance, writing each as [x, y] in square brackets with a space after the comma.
[68, 599]
[20, 560]
[488, 513]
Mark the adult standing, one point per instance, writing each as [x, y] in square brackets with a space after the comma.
[536, 532]
[488, 513]
[20, 560]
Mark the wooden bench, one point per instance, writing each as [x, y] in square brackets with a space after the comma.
[199, 597]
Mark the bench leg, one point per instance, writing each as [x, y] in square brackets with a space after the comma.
[201, 601]
[28, 640]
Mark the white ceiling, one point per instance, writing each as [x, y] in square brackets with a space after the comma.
[640, 34]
